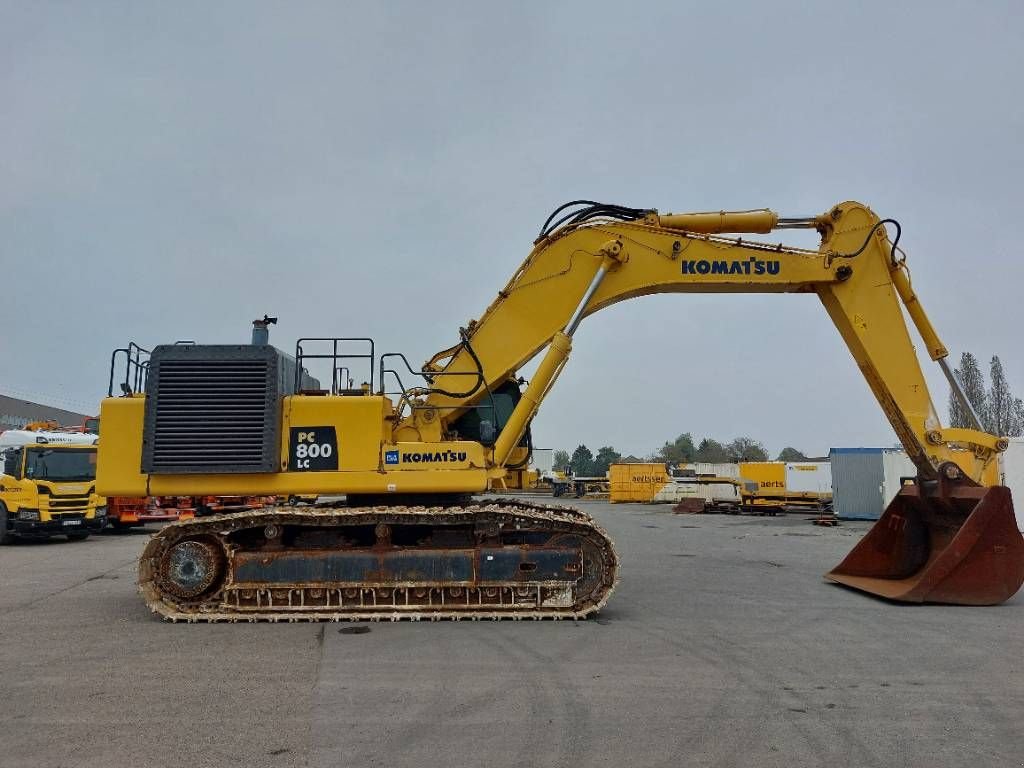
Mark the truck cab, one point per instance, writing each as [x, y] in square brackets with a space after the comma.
[48, 490]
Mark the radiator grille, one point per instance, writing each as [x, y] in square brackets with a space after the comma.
[213, 415]
[59, 504]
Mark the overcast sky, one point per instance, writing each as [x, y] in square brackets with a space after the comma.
[172, 171]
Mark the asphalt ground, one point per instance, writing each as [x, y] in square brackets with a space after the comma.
[722, 646]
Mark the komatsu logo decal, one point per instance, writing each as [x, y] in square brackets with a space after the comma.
[751, 266]
[432, 457]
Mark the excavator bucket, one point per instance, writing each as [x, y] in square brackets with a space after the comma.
[940, 541]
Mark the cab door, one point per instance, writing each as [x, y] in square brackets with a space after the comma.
[15, 491]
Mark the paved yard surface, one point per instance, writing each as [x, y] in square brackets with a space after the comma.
[721, 647]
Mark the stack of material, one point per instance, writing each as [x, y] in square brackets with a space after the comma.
[689, 507]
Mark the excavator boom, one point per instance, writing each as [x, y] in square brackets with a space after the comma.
[856, 273]
[213, 421]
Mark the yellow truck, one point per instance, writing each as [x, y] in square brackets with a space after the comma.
[48, 486]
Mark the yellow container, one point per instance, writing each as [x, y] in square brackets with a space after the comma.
[770, 477]
[636, 482]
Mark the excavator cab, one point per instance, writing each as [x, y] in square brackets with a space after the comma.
[947, 540]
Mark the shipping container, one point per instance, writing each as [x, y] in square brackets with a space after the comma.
[715, 495]
[1011, 472]
[865, 480]
[770, 476]
[636, 482]
[706, 469]
[808, 478]
[778, 485]
[651, 483]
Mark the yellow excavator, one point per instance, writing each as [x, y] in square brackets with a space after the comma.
[250, 420]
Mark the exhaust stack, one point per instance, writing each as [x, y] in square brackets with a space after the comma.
[261, 331]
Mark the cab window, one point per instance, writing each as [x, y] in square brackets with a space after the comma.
[12, 464]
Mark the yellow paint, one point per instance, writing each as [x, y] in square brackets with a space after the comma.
[359, 419]
[517, 480]
[864, 295]
[858, 293]
[966, 461]
[762, 222]
[39, 495]
[543, 379]
[636, 482]
[118, 467]
[770, 476]
[363, 439]
[770, 488]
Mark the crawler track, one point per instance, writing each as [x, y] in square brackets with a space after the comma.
[506, 559]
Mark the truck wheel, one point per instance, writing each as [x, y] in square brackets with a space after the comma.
[77, 536]
[6, 537]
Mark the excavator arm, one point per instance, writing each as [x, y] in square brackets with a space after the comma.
[946, 538]
[858, 274]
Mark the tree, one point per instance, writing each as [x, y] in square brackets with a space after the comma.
[972, 381]
[560, 461]
[1002, 409]
[605, 458]
[791, 454]
[999, 411]
[746, 449]
[1018, 413]
[711, 451]
[679, 451]
[582, 462]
